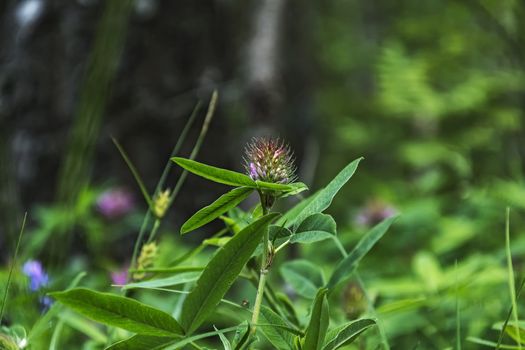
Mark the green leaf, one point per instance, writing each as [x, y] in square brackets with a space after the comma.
[44, 322]
[278, 232]
[120, 312]
[179, 344]
[349, 264]
[512, 330]
[84, 326]
[182, 278]
[324, 197]
[316, 227]
[221, 272]
[242, 335]
[347, 333]
[141, 342]
[225, 342]
[234, 178]
[220, 206]
[215, 174]
[316, 331]
[304, 277]
[290, 216]
[294, 188]
[286, 189]
[278, 335]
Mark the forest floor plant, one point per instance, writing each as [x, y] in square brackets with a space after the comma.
[260, 232]
[248, 247]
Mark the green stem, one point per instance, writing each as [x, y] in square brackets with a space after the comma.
[258, 300]
[512, 287]
[263, 274]
[196, 148]
[198, 144]
[371, 307]
[154, 230]
[142, 230]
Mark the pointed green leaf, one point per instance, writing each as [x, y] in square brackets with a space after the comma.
[180, 344]
[287, 189]
[225, 342]
[348, 265]
[278, 335]
[278, 232]
[347, 333]
[141, 342]
[316, 331]
[234, 178]
[290, 216]
[304, 277]
[224, 203]
[215, 174]
[221, 272]
[316, 227]
[324, 197]
[182, 278]
[294, 188]
[120, 312]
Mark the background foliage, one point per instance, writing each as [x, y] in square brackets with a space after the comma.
[431, 93]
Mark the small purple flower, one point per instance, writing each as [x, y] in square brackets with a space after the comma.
[38, 278]
[374, 212]
[270, 160]
[115, 203]
[119, 277]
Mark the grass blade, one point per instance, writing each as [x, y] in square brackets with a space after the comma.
[135, 173]
[4, 301]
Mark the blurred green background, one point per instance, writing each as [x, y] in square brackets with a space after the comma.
[431, 93]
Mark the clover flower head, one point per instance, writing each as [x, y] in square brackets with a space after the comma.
[38, 278]
[270, 160]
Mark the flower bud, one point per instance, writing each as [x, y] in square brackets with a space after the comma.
[147, 256]
[160, 204]
[354, 301]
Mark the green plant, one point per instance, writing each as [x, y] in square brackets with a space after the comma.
[247, 249]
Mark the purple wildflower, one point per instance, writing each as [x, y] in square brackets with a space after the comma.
[115, 203]
[38, 278]
[270, 160]
[119, 277]
[374, 212]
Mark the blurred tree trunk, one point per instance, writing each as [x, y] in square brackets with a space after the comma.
[263, 75]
